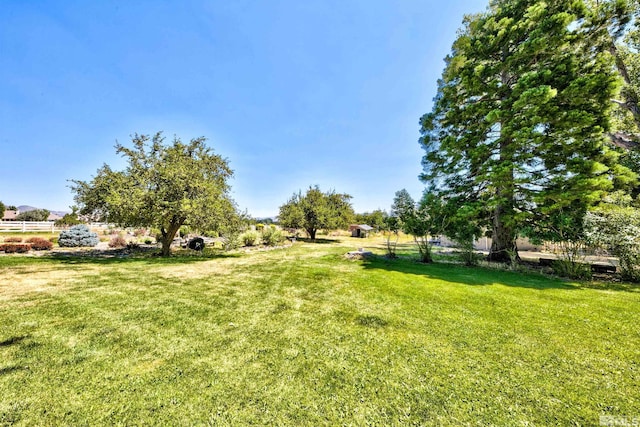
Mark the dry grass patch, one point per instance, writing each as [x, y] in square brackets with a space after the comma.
[21, 281]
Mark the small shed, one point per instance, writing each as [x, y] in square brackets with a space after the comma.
[360, 230]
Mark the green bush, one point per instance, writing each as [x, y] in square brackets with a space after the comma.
[231, 241]
[272, 236]
[616, 228]
[78, 236]
[184, 231]
[249, 238]
[571, 269]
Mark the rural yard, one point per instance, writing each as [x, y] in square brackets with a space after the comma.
[302, 335]
[360, 213]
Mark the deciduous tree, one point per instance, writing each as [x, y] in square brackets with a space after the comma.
[163, 186]
[316, 210]
[422, 220]
[33, 215]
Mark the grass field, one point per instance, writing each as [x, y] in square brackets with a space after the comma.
[303, 336]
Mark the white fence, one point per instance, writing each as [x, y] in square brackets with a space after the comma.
[27, 226]
[46, 226]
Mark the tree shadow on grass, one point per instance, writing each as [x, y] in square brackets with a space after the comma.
[472, 276]
[318, 241]
[13, 340]
[133, 258]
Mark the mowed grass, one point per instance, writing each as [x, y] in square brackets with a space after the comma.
[303, 336]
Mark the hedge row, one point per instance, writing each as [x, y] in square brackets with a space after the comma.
[35, 243]
[40, 244]
[11, 248]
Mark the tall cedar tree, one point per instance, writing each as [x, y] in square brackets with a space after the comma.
[163, 186]
[516, 130]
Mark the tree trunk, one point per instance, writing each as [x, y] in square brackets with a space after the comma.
[312, 233]
[167, 237]
[424, 247]
[503, 243]
[503, 240]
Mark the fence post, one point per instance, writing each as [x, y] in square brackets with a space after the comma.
[24, 226]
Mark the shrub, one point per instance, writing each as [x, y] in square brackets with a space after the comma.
[272, 236]
[616, 228]
[68, 220]
[571, 269]
[117, 242]
[468, 254]
[78, 236]
[53, 240]
[184, 231]
[231, 241]
[11, 248]
[249, 238]
[13, 240]
[140, 232]
[147, 241]
[40, 244]
[133, 245]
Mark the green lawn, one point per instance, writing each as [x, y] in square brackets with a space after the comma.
[303, 336]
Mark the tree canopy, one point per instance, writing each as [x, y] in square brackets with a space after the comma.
[316, 210]
[33, 215]
[516, 135]
[376, 219]
[423, 220]
[163, 186]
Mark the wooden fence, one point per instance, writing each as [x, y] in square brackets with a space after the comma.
[27, 226]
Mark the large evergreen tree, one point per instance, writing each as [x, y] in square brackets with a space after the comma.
[517, 126]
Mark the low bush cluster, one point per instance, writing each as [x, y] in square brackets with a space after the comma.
[40, 244]
[571, 269]
[249, 238]
[117, 242]
[78, 236]
[272, 236]
[15, 248]
[13, 240]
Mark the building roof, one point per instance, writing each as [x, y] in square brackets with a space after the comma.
[53, 217]
[363, 227]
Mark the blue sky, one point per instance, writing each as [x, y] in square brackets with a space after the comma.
[293, 93]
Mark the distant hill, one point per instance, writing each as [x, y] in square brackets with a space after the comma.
[27, 208]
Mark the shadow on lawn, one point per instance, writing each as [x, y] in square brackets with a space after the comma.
[131, 258]
[473, 276]
[318, 241]
[13, 340]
